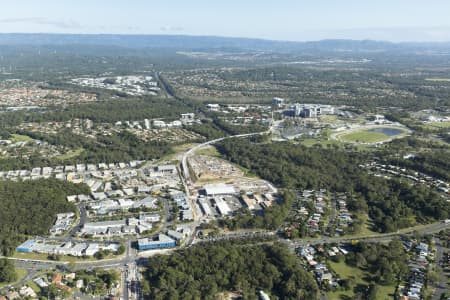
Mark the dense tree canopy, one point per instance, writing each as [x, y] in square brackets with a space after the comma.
[392, 204]
[204, 271]
[121, 147]
[387, 263]
[7, 271]
[30, 208]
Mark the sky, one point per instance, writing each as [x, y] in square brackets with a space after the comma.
[296, 20]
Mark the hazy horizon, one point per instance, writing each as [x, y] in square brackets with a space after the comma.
[286, 20]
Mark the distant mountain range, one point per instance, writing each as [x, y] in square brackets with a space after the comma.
[185, 42]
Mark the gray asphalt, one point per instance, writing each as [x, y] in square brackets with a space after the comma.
[441, 285]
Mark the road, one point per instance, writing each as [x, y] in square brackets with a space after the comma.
[187, 181]
[376, 238]
[129, 262]
[83, 219]
[332, 216]
[441, 285]
[133, 257]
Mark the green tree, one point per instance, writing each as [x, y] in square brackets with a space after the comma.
[7, 271]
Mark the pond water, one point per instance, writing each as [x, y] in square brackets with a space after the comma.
[387, 131]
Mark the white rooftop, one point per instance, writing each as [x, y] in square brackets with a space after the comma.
[219, 189]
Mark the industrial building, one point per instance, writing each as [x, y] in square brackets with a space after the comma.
[66, 248]
[206, 209]
[121, 227]
[219, 189]
[63, 223]
[163, 242]
[222, 207]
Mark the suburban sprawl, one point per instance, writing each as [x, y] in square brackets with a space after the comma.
[212, 173]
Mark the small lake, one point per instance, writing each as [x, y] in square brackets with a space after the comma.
[387, 131]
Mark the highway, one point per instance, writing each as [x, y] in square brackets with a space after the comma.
[133, 258]
[375, 238]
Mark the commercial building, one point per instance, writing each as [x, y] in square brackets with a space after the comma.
[163, 242]
[311, 110]
[67, 248]
[213, 107]
[178, 236]
[26, 246]
[277, 102]
[103, 228]
[188, 118]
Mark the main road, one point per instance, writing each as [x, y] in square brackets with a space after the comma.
[131, 257]
[187, 181]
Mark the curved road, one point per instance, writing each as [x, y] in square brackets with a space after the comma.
[131, 256]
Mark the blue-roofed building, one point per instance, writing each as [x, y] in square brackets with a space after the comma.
[163, 242]
[26, 246]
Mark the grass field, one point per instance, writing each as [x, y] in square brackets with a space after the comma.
[177, 151]
[364, 136]
[438, 79]
[20, 138]
[360, 276]
[34, 286]
[367, 226]
[70, 154]
[445, 124]
[329, 118]
[64, 258]
[208, 151]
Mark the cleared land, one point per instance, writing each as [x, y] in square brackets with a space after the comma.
[70, 154]
[20, 138]
[360, 278]
[440, 124]
[438, 79]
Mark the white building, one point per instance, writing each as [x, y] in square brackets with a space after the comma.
[219, 189]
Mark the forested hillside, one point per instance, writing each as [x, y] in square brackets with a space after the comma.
[121, 147]
[30, 208]
[393, 204]
[204, 271]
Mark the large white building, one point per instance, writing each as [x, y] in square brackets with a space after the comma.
[219, 189]
[312, 110]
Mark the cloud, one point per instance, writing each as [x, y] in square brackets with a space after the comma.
[65, 24]
[172, 28]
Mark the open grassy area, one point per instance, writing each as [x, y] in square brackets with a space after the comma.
[344, 271]
[438, 79]
[70, 154]
[63, 258]
[364, 136]
[20, 138]
[208, 151]
[440, 124]
[177, 151]
[367, 227]
[21, 273]
[329, 118]
[34, 286]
